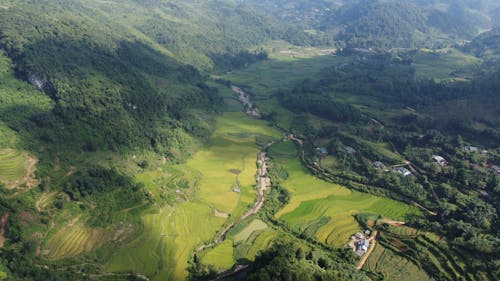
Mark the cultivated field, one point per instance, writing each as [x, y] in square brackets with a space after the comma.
[393, 266]
[314, 199]
[74, 239]
[13, 165]
[170, 236]
[446, 64]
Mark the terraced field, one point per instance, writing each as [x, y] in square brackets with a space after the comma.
[313, 199]
[255, 225]
[73, 240]
[392, 266]
[13, 166]
[170, 236]
[304, 187]
[244, 243]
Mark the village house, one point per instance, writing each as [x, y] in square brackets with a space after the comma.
[359, 243]
[362, 246]
[439, 160]
[403, 171]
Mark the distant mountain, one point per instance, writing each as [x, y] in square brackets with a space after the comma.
[388, 23]
[486, 45]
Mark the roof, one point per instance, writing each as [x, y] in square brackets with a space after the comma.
[322, 150]
[350, 149]
[359, 235]
[438, 158]
[378, 164]
[404, 171]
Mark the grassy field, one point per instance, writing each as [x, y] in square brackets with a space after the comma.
[265, 77]
[171, 235]
[392, 266]
[445, 64]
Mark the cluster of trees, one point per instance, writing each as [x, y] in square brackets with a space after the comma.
[228, 61]
[288, 261]
[307, 99]
[96, 180]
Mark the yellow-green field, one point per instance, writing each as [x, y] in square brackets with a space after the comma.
[170, 236]
[13, 165]
[313, 199]
[255, 225]
[221, 256]
[244, 244]
[75, 239]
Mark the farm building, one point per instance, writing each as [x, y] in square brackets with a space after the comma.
[405, 172]
[440, 160]
[362, 246]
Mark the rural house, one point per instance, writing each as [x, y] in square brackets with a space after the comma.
[439, 160]
[405, 172]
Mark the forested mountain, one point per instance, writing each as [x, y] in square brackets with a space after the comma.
[393, 24]
[122, 72]
[486, 45]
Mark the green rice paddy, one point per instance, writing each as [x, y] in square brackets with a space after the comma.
[170, 236]
[74, 240]
[313, 198]
[13, 165]
[255, 225]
